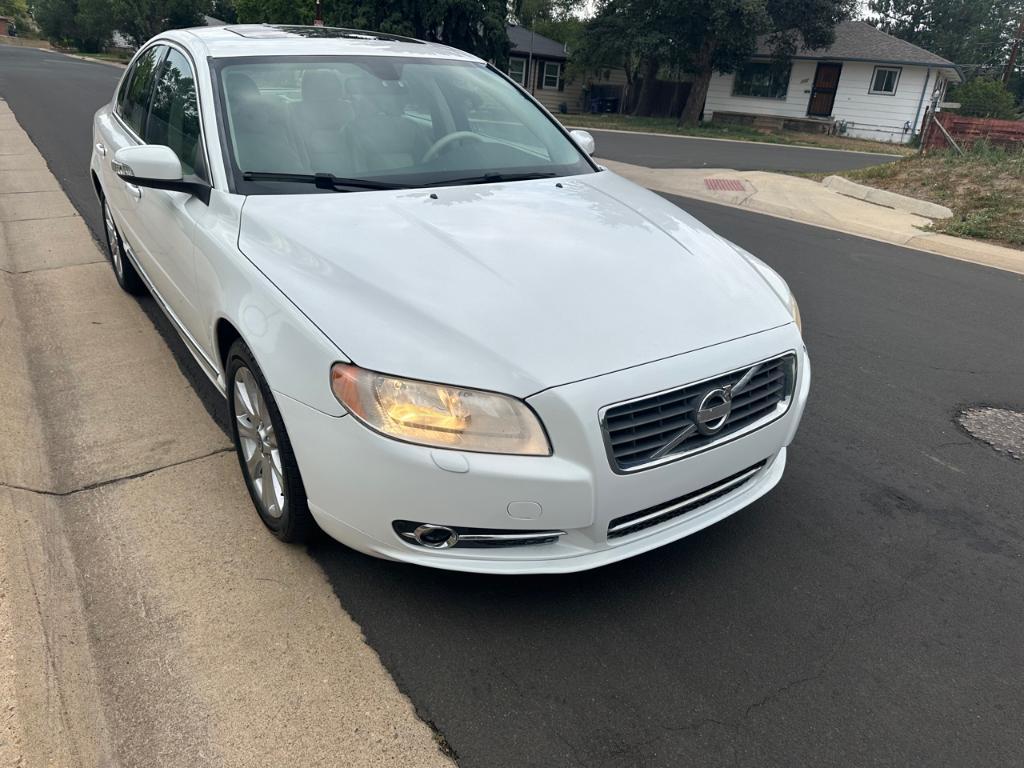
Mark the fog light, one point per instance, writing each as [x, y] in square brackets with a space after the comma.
[435, 536]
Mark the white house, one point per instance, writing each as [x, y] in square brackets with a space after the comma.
[867, 84]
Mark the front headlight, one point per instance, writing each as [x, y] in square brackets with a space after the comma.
[794, 310]
[438, 415]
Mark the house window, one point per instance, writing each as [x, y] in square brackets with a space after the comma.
[517, 70]
[552, 74]
[761, 79]
[885, 79]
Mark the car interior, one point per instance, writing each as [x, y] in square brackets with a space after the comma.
[348, 121]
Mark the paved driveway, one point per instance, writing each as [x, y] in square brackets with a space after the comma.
[684, 152]
[867, 612]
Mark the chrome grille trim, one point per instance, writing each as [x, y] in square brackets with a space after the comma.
[644, 519]
[658, 428]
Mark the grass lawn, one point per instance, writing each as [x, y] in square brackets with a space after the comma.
[742, 133]
[984, 189]
[120, 58]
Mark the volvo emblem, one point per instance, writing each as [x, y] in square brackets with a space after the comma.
[713, 411]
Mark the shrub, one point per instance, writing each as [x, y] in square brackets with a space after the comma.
[984, 97]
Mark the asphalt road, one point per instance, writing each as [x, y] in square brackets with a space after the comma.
[685, 152]
[867, 612]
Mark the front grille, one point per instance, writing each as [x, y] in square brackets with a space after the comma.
[666, 425]
[691, 502]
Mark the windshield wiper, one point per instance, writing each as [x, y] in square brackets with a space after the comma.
[493, 178]
[321, 180]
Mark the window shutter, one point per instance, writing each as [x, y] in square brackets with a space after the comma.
[561, 78]
[538, 65]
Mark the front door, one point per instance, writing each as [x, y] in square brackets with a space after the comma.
[823, 94]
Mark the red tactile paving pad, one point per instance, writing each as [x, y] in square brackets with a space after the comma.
[724, 185]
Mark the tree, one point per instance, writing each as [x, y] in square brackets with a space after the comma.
[83, 24]
[702, 36]
[628, 34]
[724, 33]
[985, 97]
[975, 34]
[477, 26]
[224, 10]
[139, 20]
[15, 9]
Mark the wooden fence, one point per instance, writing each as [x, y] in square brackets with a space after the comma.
[967, 130]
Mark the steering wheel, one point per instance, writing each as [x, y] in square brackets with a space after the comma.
[438, 146]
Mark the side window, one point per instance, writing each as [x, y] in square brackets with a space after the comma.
[136, 101]
[174, 117]
[122, 92]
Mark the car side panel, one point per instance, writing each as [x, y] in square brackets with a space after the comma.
[294, 354]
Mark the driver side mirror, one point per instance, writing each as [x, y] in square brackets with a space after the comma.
[157, 167]
[584, 140]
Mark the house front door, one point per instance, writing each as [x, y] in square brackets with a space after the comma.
[823, 94]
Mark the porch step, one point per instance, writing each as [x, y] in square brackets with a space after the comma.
[768, 124]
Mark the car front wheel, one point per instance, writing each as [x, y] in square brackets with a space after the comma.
[125, 273]
[264, 451]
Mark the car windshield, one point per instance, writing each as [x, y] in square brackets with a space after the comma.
[354, 123]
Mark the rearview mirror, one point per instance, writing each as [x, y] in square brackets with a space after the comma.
[157, 167]
[584, 140]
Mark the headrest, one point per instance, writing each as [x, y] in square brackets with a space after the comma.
[240, 86]
[320, 85]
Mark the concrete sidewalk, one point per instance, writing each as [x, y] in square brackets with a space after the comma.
[146, 616]
[807, 201]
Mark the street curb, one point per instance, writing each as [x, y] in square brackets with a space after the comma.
[993, 256]
[94, 61]
[729, 141]
[887, 199]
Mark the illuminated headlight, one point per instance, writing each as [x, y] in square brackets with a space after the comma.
[438, 415]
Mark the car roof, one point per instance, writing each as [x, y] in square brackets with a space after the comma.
[287, 40]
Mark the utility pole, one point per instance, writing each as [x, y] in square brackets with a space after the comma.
[319, 20]
[1014, 52]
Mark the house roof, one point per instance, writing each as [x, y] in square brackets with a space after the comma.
[525, 41]
[859, 41]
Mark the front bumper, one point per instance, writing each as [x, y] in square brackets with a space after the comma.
[359, 483]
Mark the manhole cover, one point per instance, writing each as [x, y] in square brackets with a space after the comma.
[724, 185]
[1000, 428]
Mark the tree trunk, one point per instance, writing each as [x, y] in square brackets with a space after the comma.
[677, 99]
[648, 88]
[703, 69]
[695, 102]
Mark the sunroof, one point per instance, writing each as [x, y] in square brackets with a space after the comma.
[279, 31]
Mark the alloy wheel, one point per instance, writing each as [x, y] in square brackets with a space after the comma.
[258, 443]
[113, 241]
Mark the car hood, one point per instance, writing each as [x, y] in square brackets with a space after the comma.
[512, 287]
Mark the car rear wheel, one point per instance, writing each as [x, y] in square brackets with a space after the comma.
[125, 273]
[264, 451]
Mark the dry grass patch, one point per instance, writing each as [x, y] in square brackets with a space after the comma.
[984, 189]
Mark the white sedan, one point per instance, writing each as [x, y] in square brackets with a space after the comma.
[445, 335]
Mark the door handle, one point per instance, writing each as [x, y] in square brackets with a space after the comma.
[101, 149]
[135, 191]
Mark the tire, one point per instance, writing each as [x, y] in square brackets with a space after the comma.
[264, 451]
[124, 271]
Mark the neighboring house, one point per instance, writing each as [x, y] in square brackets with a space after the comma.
[538, 64]
[867, 84]
[6, 25]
